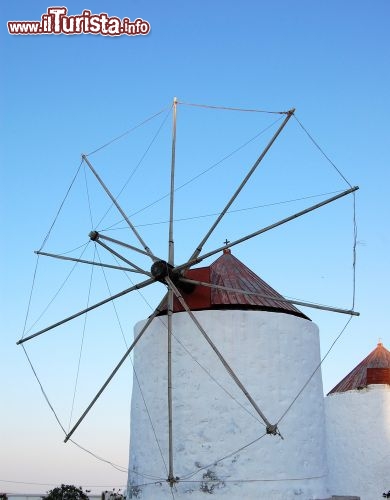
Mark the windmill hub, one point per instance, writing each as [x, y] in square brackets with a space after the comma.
[160, 269]
[94, 235]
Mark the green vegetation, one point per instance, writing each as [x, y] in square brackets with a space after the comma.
[66, 492]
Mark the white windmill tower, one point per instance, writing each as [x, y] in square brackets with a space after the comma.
[358, 428]
[272, 349]
[223, 324]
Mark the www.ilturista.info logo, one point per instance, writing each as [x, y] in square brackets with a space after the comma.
[57, 22]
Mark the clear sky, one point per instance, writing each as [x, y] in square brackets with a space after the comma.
[67, 95]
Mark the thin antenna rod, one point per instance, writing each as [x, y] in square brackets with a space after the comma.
[252, 170]
[90, 308]
[123, 359]
[256, 233]
[172, 194]
[264, 296]
[82, 261]
[147, 249]
[271, 429]
[170, 426]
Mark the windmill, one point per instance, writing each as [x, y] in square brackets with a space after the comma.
[181, 287]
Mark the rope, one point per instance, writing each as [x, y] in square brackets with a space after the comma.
[127, 132]
[184, 219]
[350, 318]
[322, 151]
[81, 345]
[115, 466]
[232, 153]
[110, 293]
[86, 315]
[58, 291]
[173, 496]
[137, 166]
[226, 108]
[154, 483]
[149, 417]
[30, 296]
[56, 484]
[219, 162]
[74, 249]
[134, 370]
[61, 205]
[42, 246]
[254, 480]
[314, 372]
[215, 462]
[120, 468]
[355, 233]
[42, 390]
[88, 198]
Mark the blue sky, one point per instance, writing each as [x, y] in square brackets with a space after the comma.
[66, 95]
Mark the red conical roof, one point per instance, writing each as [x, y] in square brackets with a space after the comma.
[374, 369]
[228, 271]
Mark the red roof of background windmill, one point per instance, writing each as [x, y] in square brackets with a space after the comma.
[230, 272]
[374, 369]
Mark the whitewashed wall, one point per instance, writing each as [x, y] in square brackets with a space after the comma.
[358, 429]
[273, 354]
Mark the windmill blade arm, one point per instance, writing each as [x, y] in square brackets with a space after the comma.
[120, 210]
[271, 429]
[82, 261]
[265, 229]
[241, 186]
[113, 373]
[121, 243]
[170, 400]
[171, 245]
[90, 308]
[139, 269]
[264, 296]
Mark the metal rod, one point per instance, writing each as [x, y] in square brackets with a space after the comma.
[62, 257]
[171, 249]
[123, 244]
[139, 269]
[171, 252]
[282, 299]
[170, 427]
[90, 308]
[270, 427]
[147, 249]
[256, 233]
[257, 162]
[123, 359]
